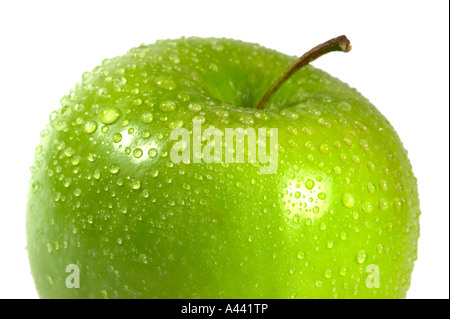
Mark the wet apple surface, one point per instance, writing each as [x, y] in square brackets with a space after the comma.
[105, 195]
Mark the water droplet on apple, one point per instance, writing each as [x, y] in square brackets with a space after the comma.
[61, 125]
[397, 205]
[117, 138]
[246, 119]
[337, 170]
[361, 256]
[90, 126]
[168, 106]
[323, 122]
[165, 83]
[322, 196]
[364, 145]
[121, 81]
[176, 124]
[137, 153]
[309, 184]
[114, 169]
[69, 152]
[343, 271]
[195, 107]
[371, 166]
[348, 200]
[371, 188]
[145, 134]
[383, 185]
[344, 106]
[152, 152]
[75, 160]
[324, 149]
[109, 115]
[135, 184]
[379, 248]
[146, 118]
[222, 113]
[290, 114]
[300, 255]
[383, 204]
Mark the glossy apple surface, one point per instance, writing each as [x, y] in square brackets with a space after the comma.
[105, 195]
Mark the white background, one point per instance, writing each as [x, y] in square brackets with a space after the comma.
[400, 61]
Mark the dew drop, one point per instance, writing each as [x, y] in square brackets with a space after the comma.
[117, 138]
[383, 185]
[137, 153]
[344, 106]
[90, 126]
[152, 152]
[371, 166]
[371, 188]
[290, 114]
[135, 184]
[367, 207]
[383, 204]
[361, 256]
[168, 106]
[324, 149]
[397, 205]
[121, 81]
[337, 170]
[68, 152]
[165, 83]
[109, 115]
[195, 107]
[246, 119]
[143, 258]
[348, 200]
[309, 184]
[146, 118]
[114, 169]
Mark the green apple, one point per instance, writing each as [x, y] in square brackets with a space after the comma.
[111, 215]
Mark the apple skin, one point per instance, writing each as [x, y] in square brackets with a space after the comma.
[344, 196]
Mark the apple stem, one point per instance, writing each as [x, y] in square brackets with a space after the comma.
[340, 43]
